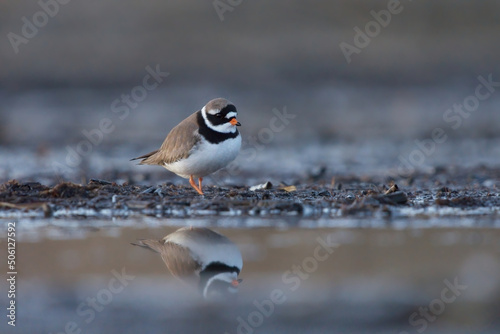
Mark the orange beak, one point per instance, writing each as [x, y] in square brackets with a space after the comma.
[234, 121]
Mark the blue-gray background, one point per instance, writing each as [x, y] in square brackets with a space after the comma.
[262, 56]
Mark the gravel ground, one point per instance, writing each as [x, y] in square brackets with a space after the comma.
[464, 192]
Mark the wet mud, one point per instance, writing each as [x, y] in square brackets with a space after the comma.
[441, 193]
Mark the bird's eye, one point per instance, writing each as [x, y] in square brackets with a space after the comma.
[219, 115]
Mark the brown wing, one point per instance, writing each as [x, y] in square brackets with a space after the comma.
[179, 261]
[177, 145]
[177, 258]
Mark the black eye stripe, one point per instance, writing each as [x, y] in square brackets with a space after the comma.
[217, 120]
[212, 136]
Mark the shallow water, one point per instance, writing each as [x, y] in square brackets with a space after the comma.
[363, 280]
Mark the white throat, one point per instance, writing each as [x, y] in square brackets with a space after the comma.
[225, 277]
[222, 128]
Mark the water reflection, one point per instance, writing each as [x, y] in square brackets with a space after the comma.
[376, 281]
[201, 258]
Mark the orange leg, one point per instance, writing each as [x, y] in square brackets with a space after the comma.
[200, 180]
[191, 182]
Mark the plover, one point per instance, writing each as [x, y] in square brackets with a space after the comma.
[201, 257]
[201, 144]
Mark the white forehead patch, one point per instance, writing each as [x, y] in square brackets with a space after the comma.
[211, 111]
[231, 114]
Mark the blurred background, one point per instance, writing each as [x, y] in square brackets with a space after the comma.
[61, 74]
[261, 56]
[68, 70]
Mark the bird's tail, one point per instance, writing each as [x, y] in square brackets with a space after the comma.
[152, 245]
[144, 158]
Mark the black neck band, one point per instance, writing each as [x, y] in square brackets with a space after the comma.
[213, 136]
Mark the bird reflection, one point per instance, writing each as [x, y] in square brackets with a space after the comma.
[200, 257]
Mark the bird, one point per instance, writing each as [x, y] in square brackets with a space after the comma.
[200, 257]
[201, 144]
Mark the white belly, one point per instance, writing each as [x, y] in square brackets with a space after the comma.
[207, 158]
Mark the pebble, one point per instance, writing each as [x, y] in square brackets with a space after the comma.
[263, 186]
